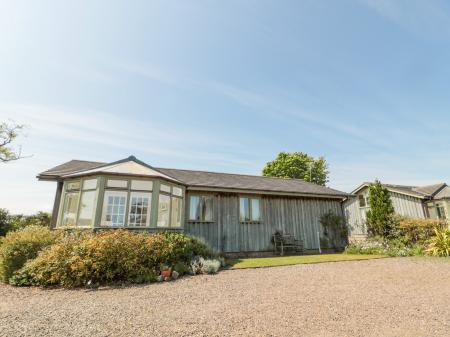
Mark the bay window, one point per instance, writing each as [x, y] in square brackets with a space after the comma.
[70, 208]
[249, 209]
[170, 206]
[163, 210]
[139, 213]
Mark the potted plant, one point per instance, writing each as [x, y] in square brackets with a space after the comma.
[166, 271]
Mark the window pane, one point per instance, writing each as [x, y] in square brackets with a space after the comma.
[207, 208]
[141, 185]
[117, 183]
[87, 208]
[139, 215]
[177, 191]
[244, 209]
[75, 185]
[194, 208]
[176, 212]
[163, 211]
[70, 209]
[114, 208]
[362, 201]
[256, 212]
[90, 184]
[165, 188]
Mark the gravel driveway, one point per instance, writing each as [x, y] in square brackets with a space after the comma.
[387, 297]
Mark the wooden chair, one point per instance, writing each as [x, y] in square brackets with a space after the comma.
[285, 241]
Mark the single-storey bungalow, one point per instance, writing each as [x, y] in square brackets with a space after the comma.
[233, 213]
[423, 202]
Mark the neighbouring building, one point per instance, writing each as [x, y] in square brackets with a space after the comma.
[423, 202]
[233, 213]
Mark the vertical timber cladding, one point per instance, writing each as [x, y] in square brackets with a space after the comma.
[297, 216]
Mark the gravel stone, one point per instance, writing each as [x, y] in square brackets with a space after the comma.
[386, 297]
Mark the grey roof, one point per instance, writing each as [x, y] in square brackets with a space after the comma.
[443, 193]
[213, 180]
[427, 191]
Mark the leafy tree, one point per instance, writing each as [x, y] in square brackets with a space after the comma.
[5, 225]
[380, 218]
[8, 133]
[41, 219]
[298, 165]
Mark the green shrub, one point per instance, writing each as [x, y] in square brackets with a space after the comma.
[439, 245]
[418, 231]
[181, 268]
[5, 224]
[20, 246]
[380, 246]
[108, 257]
[335, 229]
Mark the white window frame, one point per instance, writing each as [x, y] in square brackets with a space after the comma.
[250, 209]
[107, 194]
[149, 207]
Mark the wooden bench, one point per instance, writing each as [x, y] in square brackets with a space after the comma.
[284, 241]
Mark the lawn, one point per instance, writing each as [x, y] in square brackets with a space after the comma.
[297, 259]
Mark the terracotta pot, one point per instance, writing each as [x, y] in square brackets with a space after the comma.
[166, 273]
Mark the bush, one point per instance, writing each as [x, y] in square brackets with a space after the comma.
[108, 257]
[418, 231]
[20, 246]
[199, 265]
[440, 243]
[380, 219]
[211, 266]
[5, 224]
[380, 246]
[335, 230]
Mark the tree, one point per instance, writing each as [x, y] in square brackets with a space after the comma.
[8, 133]
[381, 216]
[5, 224]
[298, 165]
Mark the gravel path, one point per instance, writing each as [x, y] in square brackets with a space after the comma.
[387, 297]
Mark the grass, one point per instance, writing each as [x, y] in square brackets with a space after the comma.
[297, 259]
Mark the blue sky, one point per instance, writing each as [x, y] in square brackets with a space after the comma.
[225, 86]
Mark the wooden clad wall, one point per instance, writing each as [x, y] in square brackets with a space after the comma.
[408, 206]
[297, 216]
[352, 213]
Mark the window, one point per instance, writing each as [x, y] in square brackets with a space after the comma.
[70, 208]
[176, 212]
[177, 191]
[163, 210]
[362, 201]
[201, 208]
[164, 188]
[249, 209]
[88, 204]
[90, 184]
[440, 212]
[114, 208]
[140, 205]
[117, 183]
[75, 185]
[141, 185]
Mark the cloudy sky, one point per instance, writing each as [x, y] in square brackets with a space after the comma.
[225, 86]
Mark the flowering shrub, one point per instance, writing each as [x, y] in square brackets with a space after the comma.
[379, 246]
[199, 265]
[18, 247]
[108, 257]
[419, 230]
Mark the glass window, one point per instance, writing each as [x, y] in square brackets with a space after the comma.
[165, 188]
[176, 212]
[201, 208]
[117, 183]
[90, 184]
[177, 191]
[440, 211]
[141, 185]
[75, 185]
[249, 209]
[140, 205]
[88, 204]
[114, 205]
[70, 208]
[362, 201]
[255, 210]
[244, 209]
[163, 211]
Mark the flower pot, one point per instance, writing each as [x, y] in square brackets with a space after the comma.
[166, 273]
